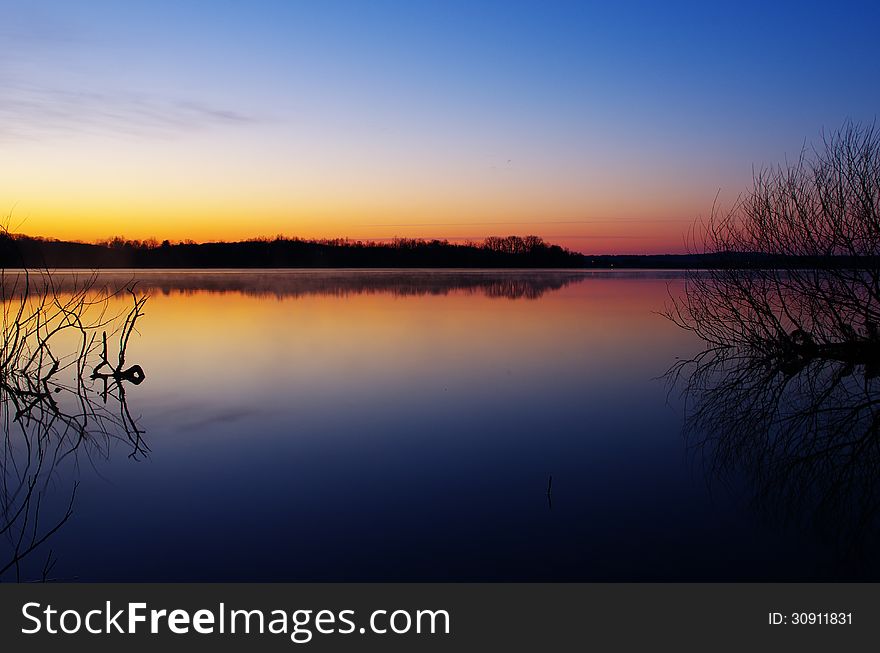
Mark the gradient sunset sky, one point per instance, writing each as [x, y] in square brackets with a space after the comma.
[606, 127]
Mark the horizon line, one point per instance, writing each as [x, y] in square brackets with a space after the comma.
[154, 241]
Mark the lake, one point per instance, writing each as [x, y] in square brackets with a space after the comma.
[403, 426]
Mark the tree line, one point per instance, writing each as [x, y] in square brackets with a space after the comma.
[281, 252]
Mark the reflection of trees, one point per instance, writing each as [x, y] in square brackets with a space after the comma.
[787, 385]
[807, 439]
[52, 408]
[506, 284]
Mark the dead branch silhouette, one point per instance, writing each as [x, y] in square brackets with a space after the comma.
[49, 404]
[786, 388]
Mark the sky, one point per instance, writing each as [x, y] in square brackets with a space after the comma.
[605, 127]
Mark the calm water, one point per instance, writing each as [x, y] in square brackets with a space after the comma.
[329, 425]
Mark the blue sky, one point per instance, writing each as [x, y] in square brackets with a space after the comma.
[605, 126]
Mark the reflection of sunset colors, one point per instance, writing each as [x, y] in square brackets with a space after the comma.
[376, 341]
[415, 418]
[601, 130]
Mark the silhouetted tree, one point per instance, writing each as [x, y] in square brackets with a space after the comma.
[825, 206]
[787, 386]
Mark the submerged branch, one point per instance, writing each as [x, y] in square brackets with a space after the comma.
[48, 406]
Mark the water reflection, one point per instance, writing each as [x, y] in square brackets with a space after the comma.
[54, 417]
[786, 391]
[407, 431]
[286, 283]
[808, 440]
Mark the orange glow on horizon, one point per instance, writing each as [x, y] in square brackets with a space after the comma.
[217, 223]
[192, 189]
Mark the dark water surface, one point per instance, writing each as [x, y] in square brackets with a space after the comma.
[402, 425]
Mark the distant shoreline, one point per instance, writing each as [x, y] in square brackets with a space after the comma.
[511, 252]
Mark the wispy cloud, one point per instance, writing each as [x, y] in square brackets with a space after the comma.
[31, 111]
